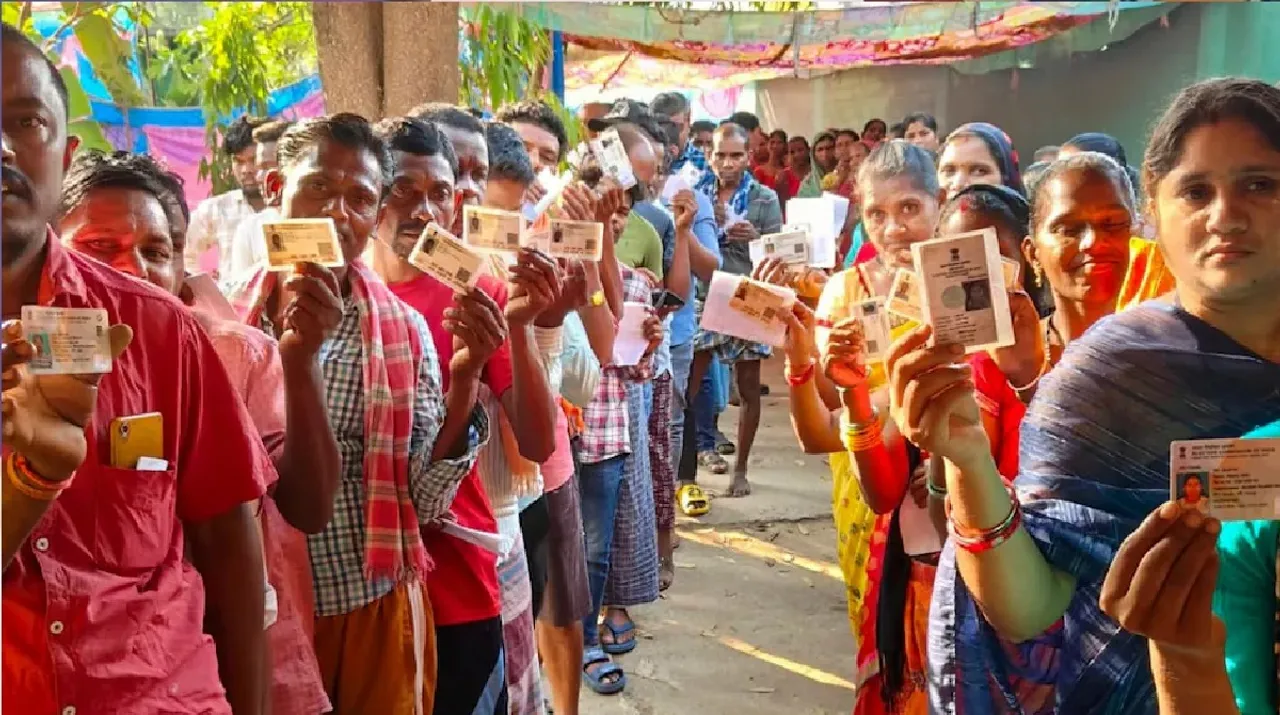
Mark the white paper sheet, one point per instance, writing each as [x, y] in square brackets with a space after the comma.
[820, 216]
[630, 344]
[719, 316]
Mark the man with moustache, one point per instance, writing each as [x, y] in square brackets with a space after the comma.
[407, 438]
[467, 137]
[112, 574]
[463, 587]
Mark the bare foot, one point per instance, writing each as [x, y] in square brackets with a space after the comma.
[666, 573]
[739, 487]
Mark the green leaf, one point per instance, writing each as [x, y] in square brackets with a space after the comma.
[90, 135]
[78, 106]
[109, 53]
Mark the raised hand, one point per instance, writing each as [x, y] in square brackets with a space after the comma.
[844, 359]
[685, 208]
[1025, 360]
[1160, 584]
[478, 328]
[773, 271]
[572, 295]
[535, 287]
[44, 416]
[312, 312]
[931, 397]
[578, 203]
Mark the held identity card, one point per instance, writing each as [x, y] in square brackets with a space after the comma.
[742, 308]
[301, 240]
[877, 330]
[576, 239]
[441, 255]
[67, 340]
[613, 158]
[1228, 479]
[684, 180]
[491, 230]
[792, 248]
[962, 290]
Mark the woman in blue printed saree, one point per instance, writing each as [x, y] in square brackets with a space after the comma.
[1016, 625]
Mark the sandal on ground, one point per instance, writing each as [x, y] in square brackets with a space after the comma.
[619, 646]
[608, 678]
[724, 446]
[692, 500]
[713, 462]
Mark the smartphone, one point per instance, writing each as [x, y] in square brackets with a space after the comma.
[667, 299]
[135, 437]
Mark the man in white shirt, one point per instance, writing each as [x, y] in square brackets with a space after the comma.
[246, 248]
[214, 222]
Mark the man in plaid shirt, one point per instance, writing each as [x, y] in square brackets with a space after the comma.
[602, 451]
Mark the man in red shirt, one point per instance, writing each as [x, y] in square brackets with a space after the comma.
[463, 587]
[106, 567]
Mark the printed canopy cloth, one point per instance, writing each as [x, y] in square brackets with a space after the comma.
[858, 35]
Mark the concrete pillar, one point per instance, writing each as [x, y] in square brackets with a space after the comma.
[380, 59]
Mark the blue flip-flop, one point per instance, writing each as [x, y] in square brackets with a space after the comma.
[619, 646]
[596, 679]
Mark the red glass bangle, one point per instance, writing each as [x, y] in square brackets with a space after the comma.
[978, 541]
[805, 375]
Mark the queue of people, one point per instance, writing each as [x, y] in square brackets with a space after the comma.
[372, 493]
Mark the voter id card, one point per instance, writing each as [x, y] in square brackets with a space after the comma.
[1228, 479]
[301, 240]
[576, 239]
[441, 255]
[491, 230]
[756, 300]
[791, 247]
[613, 158]
[67, 340]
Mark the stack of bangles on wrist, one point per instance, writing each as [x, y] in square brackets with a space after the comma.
[976, 541]
[23, 478]
[860, 436]
[796, 379]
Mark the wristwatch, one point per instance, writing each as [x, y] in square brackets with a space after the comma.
[596, 299]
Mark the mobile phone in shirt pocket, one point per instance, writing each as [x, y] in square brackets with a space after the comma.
[138, 437]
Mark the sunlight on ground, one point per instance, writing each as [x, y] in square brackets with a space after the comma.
[817, 676]
[763, 550]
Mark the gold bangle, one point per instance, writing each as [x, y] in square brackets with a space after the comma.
[861, 436]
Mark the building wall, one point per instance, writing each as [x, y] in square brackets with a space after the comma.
[1120, 91]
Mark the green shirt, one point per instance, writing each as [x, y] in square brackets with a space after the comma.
[640, 246]
[1245, 600]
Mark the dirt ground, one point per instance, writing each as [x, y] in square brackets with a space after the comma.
[755, 623]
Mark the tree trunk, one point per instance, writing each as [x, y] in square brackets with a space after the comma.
[382, 59]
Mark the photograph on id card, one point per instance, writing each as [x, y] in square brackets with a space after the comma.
[962, 290]
[576, 239]
[441, 255]
[67, 341]
[301, 240]
[491, 230]
[1228, 479]
[904, 296]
